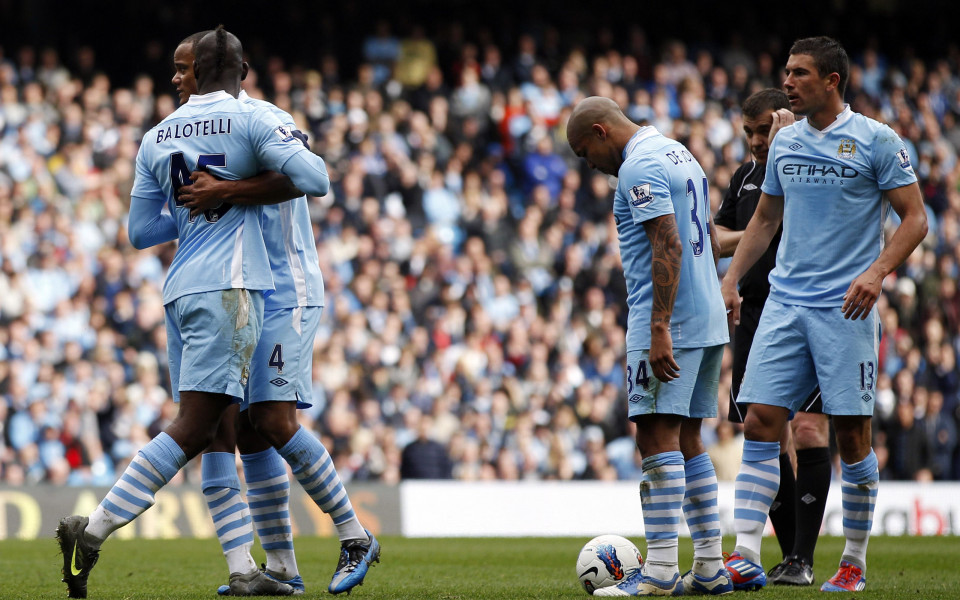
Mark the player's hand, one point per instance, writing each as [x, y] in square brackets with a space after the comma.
[862, 295]
[664, 366]
[203, 194]
[732, 300]
[781, 118]
[304, 138]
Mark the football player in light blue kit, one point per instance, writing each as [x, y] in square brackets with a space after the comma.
[214, 288]
[830, 179]
[280, 382]
[676, 330]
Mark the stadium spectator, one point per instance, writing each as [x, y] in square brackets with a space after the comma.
[425, 457]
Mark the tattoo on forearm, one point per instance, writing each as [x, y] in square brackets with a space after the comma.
[667, 257]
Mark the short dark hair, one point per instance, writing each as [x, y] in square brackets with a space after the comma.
[828, 56]
[221, 49]
[762, 101]
[194, 38]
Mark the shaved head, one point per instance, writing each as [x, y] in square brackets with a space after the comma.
[594, 110]
[598, 131]
[219, 62]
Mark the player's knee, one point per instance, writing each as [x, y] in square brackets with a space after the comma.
[691, 444]
[763, 424]
[198, 440]
[273, 425]
[811, 431]
[853, 438]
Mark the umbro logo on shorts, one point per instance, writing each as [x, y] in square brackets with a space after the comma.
[866, 397]
[636, 398]
[279, 382]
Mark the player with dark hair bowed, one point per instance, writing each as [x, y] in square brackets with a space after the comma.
[764, 113]
[213, 293]
[829, 180]
[675, 336]
[280, 381]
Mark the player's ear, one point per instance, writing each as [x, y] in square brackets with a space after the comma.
[599, 131]
[833, 81]
[244, 69]
[196, 70]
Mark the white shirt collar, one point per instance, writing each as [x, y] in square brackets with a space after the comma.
[242, 95]
[845, 115]
[640, 135]
[201, 99]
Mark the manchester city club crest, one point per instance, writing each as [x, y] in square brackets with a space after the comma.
[847, 149]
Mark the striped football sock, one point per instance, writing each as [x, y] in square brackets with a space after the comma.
[702, 513]
[231, 517]
[135, 491]
[268, 492]
[661, 494]
[859, 484]
[756, 487]
[313, 468]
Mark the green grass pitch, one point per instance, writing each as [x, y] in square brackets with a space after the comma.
[446, 569]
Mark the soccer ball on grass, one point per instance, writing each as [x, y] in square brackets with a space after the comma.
[606, 560]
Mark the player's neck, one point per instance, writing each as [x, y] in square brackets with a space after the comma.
[230, 87]
[826, 115]
[622, 137]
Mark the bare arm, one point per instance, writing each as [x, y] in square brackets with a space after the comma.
[209, 192]
[714, 240]
[755, 241]
[667, 257]
[865, 289]
[727, 239]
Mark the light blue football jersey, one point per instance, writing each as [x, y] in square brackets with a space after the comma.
[288, 235]
[223, 248]
[658, 177]
[833, 212]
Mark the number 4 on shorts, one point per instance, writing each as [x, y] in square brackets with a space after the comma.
[642, 378]
[276, 358]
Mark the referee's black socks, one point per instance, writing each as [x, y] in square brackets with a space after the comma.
[783, 510]
[812, 485]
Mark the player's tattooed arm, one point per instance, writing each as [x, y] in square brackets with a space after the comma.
[667, 251]
[667, 256]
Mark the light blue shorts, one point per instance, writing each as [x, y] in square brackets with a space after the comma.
[210, 340]
[282, 368]
[796, 347]
[692, 394]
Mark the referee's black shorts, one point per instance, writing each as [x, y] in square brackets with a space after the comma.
[750, 312]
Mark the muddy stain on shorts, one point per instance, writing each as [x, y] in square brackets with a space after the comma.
[236, 303]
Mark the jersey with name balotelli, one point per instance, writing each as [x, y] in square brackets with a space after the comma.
[288, 235]
[658, 177]
[223, 248]
[832, 182]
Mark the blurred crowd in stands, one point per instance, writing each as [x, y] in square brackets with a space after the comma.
[475, 307]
